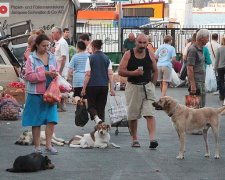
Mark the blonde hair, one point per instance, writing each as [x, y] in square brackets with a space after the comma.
[167, 39]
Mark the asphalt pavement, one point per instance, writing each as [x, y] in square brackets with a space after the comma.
[125, 163]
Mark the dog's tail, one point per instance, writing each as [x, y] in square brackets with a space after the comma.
[75, 140]
[221, 111]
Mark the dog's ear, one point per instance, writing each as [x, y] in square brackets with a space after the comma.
[167, 104]
[96, 127]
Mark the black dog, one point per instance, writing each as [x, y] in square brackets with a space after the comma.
[31, 163]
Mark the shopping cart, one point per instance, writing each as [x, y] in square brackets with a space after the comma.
[118, 113]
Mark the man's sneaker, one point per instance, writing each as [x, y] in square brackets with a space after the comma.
[97, 120]
[37, 150]
[51, 151]
[153, 144]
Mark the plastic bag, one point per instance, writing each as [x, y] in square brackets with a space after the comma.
[175, 80]
[192, 101]
[52, 94]
[118, 111]
[64, 86]
[210, 79]
[9, 109]
[81, 113]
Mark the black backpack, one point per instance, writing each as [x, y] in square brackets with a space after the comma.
[81, 114]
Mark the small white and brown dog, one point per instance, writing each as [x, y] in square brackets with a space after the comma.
[27, 139]
[99, 138]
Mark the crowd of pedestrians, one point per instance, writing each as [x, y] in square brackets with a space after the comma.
[90, 73]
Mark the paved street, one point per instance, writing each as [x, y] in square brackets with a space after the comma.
[125, 163]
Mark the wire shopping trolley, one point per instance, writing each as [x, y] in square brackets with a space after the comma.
[117, 113]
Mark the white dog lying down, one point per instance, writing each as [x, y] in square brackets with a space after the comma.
[99, 138]
[27, 139]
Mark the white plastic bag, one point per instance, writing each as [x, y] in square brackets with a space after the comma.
[64, 86]
[118, 111]
[210, 79]
[175, 80]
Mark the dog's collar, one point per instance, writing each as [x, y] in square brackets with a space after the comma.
[174, 110]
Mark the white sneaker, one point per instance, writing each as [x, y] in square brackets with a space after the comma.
[224, 102]
[97, 120]
[216, 93]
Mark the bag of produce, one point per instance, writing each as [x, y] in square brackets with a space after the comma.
[52, 94]
[9, 109]
[64, 86]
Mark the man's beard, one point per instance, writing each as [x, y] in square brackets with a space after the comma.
[141, 49]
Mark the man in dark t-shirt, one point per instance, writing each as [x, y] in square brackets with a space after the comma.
[66, 34]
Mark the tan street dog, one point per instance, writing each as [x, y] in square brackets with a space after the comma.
[99, 138]
[188, 119]
[27, 139]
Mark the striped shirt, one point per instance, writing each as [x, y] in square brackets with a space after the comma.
[78, 63]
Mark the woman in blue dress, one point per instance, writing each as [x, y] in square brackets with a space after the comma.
[41, 68]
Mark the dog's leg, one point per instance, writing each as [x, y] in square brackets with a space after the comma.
[179, 139]
[113, 145]
[182, 145]
[57, 142]
[215, 130]
[205, 136]
[59, 139]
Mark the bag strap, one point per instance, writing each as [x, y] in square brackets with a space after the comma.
[212, 50]
[116, 100]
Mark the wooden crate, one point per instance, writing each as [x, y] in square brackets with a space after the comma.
[17, 93]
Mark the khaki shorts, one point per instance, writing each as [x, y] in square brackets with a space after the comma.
[164, 73]
[137, 104]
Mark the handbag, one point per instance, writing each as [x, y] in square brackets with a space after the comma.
[118, 111]
[81, 113]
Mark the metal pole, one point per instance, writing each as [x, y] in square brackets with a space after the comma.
[119, 26]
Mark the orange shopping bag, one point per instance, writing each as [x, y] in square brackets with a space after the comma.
[52, 94]
[192, 101]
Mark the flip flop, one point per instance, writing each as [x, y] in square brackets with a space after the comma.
[135, 144]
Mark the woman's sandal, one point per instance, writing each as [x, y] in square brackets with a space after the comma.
[135, 144]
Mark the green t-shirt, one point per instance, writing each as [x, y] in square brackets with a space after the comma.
[128, 45]
[72, 51]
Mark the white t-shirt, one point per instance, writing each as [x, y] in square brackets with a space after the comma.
[62, 49]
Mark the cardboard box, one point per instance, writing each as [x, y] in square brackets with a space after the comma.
[17, 93]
